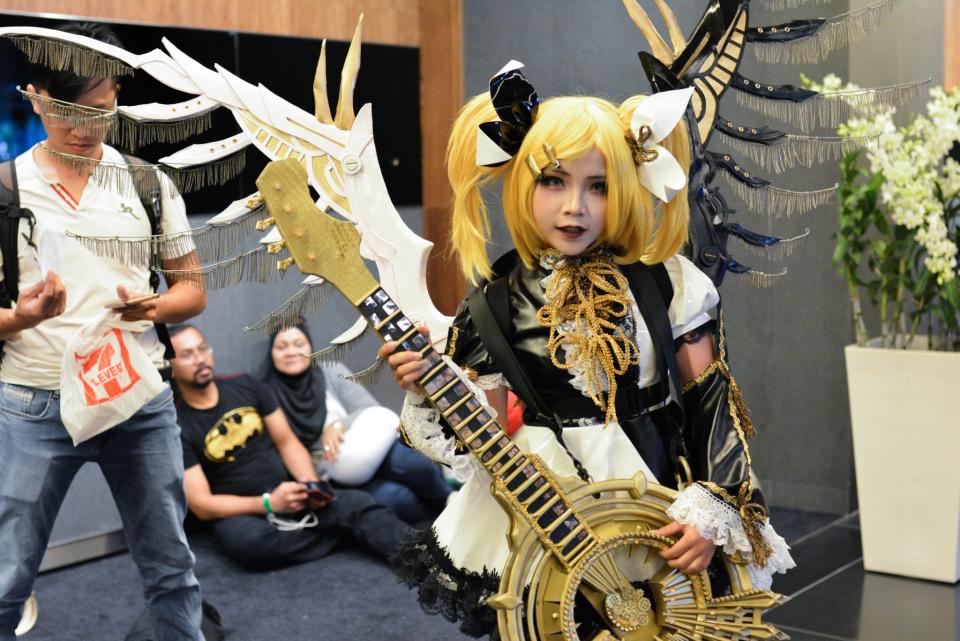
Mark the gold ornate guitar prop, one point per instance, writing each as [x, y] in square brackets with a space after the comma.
[591, 565]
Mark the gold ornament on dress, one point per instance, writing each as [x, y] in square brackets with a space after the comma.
[752, 515]
[590, 295]
[640, 153]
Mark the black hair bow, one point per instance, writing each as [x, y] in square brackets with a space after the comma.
[515, 101]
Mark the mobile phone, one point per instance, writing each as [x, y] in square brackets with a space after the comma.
[319, 494]
[130, 302]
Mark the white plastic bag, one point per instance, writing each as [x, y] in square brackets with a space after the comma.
[106, 376]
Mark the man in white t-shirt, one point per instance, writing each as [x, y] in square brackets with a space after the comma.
[141, 458]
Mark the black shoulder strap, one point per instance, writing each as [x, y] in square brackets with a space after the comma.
[10, 213]
[653, 292]
[489, 307]
[149, 196]
[490, 312]
[664, 284]
[152, 205]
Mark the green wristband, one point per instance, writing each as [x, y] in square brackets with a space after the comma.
[266, 502]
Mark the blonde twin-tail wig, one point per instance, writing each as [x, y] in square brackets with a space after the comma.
[470, 230]
[673, 219]
[572, 125]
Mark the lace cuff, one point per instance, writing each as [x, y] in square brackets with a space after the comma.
[424, 432]
[717, 521]
[491, 381]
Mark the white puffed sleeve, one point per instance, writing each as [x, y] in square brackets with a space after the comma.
[694, 295]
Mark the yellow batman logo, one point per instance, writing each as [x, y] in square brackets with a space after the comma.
[233, 430]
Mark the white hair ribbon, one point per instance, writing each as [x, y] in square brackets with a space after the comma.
[652, 121]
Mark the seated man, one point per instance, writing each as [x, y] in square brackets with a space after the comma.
[244, 466]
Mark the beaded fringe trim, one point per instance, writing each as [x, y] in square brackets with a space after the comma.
[836, 33]
[793, 150]
[215, 242]
[132, 133]
[212, 242]
[779, 202]
[89, 120]
[60, 55]
[368, 376]
[309, 300]
[120, 178]
[335, 353]
[256, 265]
[829, 110]
[131, 180]
[197, 177]
[778, 251]
[122, 130]
[780, 5]
[764, 280]
[138, 251]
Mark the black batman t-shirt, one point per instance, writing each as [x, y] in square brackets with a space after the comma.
[230, 441]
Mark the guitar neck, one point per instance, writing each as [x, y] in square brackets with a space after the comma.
[529, 487]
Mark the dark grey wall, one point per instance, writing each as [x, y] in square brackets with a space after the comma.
[908, 47]
[785, 342]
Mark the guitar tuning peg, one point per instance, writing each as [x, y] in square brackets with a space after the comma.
[284, 265]
[265, 223]
[276, 248]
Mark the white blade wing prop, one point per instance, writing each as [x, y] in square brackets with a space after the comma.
[341, 163]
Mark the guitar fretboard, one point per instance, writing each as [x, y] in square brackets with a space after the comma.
[531, 489]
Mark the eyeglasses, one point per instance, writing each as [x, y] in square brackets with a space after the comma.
[191, 354]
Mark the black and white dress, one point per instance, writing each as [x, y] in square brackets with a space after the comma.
[456, 565]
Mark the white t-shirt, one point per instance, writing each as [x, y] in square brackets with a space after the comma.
[33, 356]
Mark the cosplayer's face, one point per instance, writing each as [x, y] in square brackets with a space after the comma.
[286, 352]
[193, 364]
[63, 137]
[569, 203]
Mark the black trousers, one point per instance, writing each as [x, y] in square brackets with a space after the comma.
[254, 542]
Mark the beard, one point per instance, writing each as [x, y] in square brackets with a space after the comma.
[202, 377]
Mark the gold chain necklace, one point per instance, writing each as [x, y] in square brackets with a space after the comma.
[587, 309]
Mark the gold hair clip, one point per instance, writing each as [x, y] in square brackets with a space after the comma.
[640, 153]
[534, 167]
[551, 155]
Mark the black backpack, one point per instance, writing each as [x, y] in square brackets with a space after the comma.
[10, 214]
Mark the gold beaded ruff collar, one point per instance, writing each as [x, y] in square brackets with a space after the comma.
[588, 312]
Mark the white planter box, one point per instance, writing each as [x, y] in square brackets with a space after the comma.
[905, 414]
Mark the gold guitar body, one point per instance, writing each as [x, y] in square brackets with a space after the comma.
[603, 583]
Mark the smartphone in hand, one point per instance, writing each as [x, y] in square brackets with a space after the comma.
[319, 494]
[131, 302]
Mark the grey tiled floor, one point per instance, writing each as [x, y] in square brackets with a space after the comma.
[833, 598]
[830, 596]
